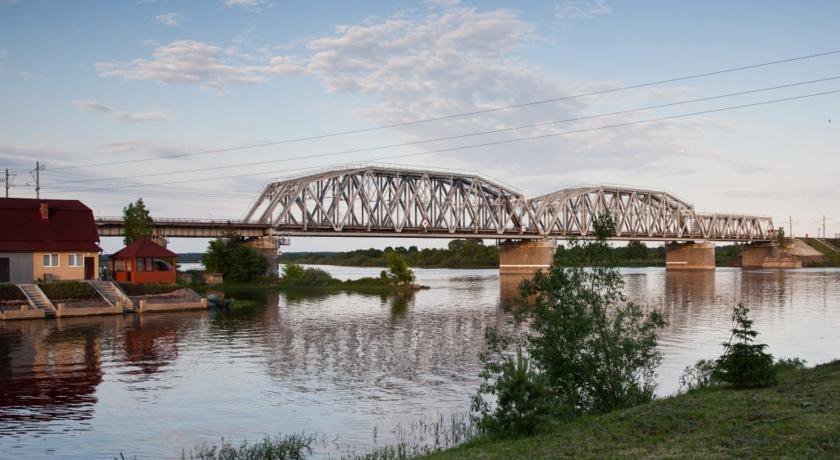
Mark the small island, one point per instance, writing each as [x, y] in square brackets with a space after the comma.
[241, 266]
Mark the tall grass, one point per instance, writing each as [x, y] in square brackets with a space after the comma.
[423, 436]
[289, 447]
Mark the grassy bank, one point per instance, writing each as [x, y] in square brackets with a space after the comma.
[800, 417]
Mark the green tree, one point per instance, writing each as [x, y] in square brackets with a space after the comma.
[780, 237]
[636, 250]
[234, 259]
[745, 364]
[398, 272]
[594, 351]
[137, 221]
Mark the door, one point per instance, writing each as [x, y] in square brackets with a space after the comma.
[4, 270]
[89, 268]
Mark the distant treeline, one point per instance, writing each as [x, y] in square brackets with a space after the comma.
[475, 254]
[458, 254]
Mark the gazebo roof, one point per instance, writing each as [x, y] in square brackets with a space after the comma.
[144, 248]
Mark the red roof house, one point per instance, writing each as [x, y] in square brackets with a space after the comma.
[143, 261]
[47, 239]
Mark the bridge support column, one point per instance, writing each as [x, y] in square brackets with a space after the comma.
[768, 255]
[690, 256]
[160, 239]
[267, 246]
[519, 260]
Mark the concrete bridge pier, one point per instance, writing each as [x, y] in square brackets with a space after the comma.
[267, 246]
[769, 255]
[690, 255]
[519, 260]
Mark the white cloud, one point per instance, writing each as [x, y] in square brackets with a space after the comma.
[196, 63]
[252, 4]
[128, 117]
[580, 9]
[168, 19]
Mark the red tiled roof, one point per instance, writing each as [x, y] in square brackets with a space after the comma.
[144, 248]
[69, 227]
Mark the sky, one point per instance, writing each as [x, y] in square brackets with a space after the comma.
[102, 92]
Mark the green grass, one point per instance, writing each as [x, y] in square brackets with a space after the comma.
[833, 257]
[799, 417]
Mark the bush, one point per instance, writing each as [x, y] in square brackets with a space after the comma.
[10, 292]
[148, 289]
[236, 261]
[522, 404]
[594, 351]
[296, 276]
[69, 290]
[745, 364]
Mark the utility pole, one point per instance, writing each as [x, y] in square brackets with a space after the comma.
[823, 225]
[7, 182]
[38, 168]
[790, 226]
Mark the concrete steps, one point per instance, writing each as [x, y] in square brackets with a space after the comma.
[37, 298]
[111, 293]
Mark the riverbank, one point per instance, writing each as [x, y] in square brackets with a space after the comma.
[799, 417]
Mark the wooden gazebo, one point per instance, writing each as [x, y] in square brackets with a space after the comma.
[143, 262]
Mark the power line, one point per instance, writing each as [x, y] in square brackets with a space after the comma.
[459, 136]
[506, 141]
[457, 115]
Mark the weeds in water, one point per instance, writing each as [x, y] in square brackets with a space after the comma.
[289, 447]
[422, 437]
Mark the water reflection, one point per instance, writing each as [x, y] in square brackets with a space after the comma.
[339, 364]
[48, 374]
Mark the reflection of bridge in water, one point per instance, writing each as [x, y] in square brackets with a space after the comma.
[393, 202]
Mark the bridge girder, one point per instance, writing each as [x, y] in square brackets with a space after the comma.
[405, 202]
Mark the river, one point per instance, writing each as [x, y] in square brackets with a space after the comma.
[340, 365]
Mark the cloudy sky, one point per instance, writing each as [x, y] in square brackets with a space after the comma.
[105, 93]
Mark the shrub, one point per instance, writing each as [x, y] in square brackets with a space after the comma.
[148, 289]
[10, 292]
[522, 404]
[236, 261]
[745, 364]
[702, 374]
[296, 276]
[69, 290]
[594, 351]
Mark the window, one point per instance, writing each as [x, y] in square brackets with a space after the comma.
[76, 260]
[50, 260]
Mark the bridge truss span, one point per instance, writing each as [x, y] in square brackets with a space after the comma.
[385, 201]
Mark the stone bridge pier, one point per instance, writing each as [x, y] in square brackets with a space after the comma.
[267, 246]
[519, 260]
[690, 255]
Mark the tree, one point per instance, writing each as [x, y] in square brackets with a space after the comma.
[137, 221]
[398, 272]
[594, 351]
[780, 237]
[636, 250]
[745, 364]
[235, 260]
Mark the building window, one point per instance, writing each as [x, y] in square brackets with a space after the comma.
[50, 260]
[76, 260]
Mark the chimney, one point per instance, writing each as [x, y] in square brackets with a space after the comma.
[45, 211]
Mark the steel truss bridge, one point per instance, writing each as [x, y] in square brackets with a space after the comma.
[395, 202]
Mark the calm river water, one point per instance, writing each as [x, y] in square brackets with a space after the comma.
[342, 365]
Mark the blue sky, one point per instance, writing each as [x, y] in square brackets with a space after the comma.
[88, 82]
